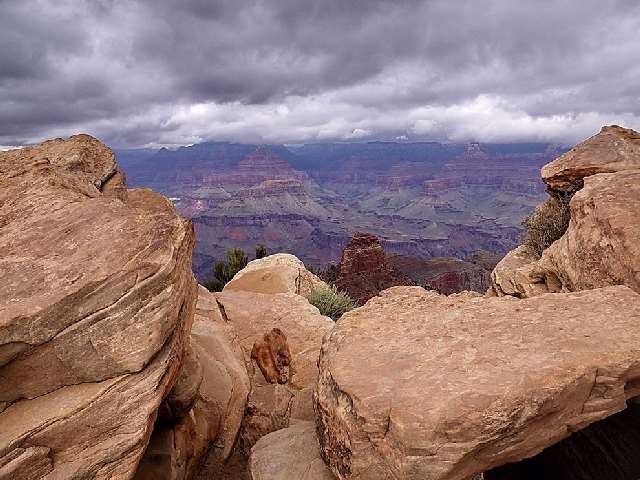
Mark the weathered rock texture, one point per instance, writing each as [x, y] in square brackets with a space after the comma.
[97, 298]
[272, 405]
[289, 454]
[279, 273]
[201, 417]
[364, 271]
[614, 149]
[415, 385]
[600, 246]
[273, 357]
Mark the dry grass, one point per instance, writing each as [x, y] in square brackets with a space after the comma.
[546, 224]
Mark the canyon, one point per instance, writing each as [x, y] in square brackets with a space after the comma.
[422, 200]
[116, 364]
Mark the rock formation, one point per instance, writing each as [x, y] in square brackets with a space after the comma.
[201, 417]
[364, 271]
[291, 453]
[279, 273]
[273, 357]
[272, 405]
[600, 246]
[448, 275]
[419, 385]
[97, 300]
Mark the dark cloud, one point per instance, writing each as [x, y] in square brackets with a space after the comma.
[143, 72]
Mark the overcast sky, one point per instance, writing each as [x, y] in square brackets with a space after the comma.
[171, 72]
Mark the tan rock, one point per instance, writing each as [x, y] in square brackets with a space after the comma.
[518, 275]
[204, 437]
[97, 298]
[288, 454]
[614, 149]
[602, 244]
[415, 385]
[271, 406]
[279, 273]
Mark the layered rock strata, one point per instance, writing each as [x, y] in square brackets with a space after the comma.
[364, 271]
[97, 300]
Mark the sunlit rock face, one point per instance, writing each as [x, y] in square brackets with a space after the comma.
[420, 385]
[97, 299]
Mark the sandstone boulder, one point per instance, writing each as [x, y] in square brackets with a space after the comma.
[289, 454]
[96, 301]
[415, 385]
[279, 273]
[602, 244]
[272, 405]
[517, 275]
[201, 439]
[614, 149]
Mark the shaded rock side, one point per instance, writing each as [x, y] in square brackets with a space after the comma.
[97, 301]
[288, 454]
[279, 273]
[272, 405]
[416, 385]
[602, 244]
[613, 149]
[215, 384]
[364, 271]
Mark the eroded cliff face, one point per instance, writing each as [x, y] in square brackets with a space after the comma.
[364, 271]
[97, 301]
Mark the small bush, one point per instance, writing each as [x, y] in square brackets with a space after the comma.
[331, 302]
[261, 251]
[223, 272]
[546, 224]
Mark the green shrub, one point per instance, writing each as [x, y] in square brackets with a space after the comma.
[261, 251]
[331, 302]
[223, 272]
[546, 224]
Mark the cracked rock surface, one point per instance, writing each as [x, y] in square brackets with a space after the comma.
[416, 385]
[96, 302]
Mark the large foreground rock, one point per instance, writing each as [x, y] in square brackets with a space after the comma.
[96, 301]
[289, 454]
[272, 405]
[415, 385]
[614, 149]
[214, 385]
[279, 273]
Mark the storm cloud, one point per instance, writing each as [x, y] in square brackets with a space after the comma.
[172, 72]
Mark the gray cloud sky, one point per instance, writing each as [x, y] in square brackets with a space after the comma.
[168, 72]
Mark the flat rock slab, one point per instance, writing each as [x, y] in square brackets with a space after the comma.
[289, 454]
[415, 385]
